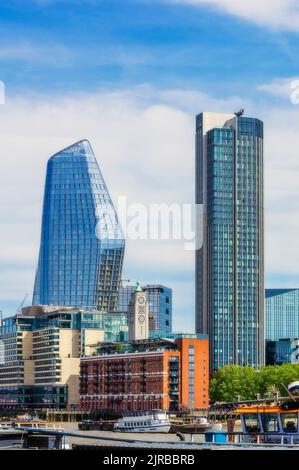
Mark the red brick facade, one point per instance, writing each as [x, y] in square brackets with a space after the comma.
[147, 380]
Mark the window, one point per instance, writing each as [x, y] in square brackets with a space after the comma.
[270, 422]
[191, 377]
[251, 422]
[289, 422]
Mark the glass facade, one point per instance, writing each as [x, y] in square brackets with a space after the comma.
[282, 351]
[160, 306]
[114, 324]
[19, 397]
[42, 347]
[82, 245]
[282, 314]
[230, 263]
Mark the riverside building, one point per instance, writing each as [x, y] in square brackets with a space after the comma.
[41, 349]
[282, 314]
[230, 236]
[168, 374]
[282, 351]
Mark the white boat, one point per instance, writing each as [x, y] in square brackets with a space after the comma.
[6, 428]
[38, 425]
[145, 421]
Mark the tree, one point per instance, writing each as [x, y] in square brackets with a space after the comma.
[232, 381]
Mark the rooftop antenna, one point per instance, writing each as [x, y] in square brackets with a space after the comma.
[240, 113]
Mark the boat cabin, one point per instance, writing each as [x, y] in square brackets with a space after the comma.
[275, 422]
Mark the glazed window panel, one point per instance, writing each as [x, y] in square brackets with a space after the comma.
[270, 422]
[251, 422]
[289, 422]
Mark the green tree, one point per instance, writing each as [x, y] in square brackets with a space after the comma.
[232, 381]
[278, 376]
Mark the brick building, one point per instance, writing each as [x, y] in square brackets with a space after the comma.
[148, 374]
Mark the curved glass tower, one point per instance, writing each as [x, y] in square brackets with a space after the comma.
[82, 244]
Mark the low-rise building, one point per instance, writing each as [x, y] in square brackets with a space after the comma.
[284, 350]
[281, 314]
[168, 374]
[41, 349]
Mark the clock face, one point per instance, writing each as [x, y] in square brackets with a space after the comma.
[141, 318]
[141, 300]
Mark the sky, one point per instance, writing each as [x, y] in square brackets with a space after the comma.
[130, 76]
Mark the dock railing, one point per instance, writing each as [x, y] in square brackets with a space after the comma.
[216, 439]
[241, 438]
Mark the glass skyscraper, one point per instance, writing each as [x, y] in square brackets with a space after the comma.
[82, 244]
[230, 258]
[160, 305]
[282, 314]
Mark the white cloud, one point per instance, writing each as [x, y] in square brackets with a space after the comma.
[280, 87]
[281, 14]
[144, 142]
[143, 139]
[281, 190]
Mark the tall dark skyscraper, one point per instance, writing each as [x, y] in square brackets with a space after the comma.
[230, 262]
[82, 244]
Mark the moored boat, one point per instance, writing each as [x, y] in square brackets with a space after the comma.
[146, 421]
[272, 423]
[197, 424]
[8, 429]
[38, 425]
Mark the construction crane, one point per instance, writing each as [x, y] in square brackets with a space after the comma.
[19, 310]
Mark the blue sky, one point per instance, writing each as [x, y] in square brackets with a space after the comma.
[130, 75]
[84, 45]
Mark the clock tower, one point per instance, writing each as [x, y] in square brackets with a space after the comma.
[138, 315]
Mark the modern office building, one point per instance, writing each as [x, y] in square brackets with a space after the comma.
[82, 245]
[282, 314]
[41, 349]
[159, 299]
[282, 351]
[146, 375]
[230, 237]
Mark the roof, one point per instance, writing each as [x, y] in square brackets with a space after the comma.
[83, 144]
[275, 292]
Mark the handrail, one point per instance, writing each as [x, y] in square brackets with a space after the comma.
[173, 443]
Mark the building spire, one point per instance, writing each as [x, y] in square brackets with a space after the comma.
[138, 287]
